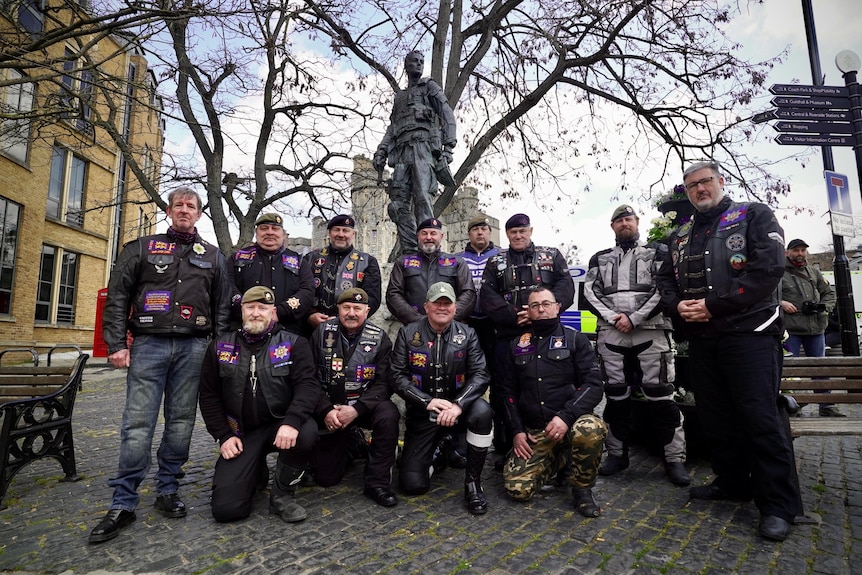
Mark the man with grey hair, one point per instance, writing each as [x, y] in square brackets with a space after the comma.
[721, 278]
[172, 292]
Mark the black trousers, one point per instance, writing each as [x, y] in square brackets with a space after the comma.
[736, 384]
[332, 458]
[235, 480]
[421, 436]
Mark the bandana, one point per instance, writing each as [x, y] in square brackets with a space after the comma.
[182, 237]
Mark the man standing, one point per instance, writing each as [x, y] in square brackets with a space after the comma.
[171, 291]
[476, 253]
[807, 300]
[413, 274]
[268, 263]
[721, 278]
[633, 336]
[506, 281]
[353, 363]
[550, 387]
[439, 370]
[340, 267]
[418, 144]
[258, 392]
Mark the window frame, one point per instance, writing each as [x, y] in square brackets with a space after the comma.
[65, 203]
[7, 293]
[61, 286]
[17, 99]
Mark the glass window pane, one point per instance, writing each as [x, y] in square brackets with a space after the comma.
[68, 279]
[43, 291]
[75, 201]
[9, 212]
[55, 184]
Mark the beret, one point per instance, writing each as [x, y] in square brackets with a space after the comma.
[518, 221]
[622, 212]
[259, 293]
[342, 220]
[478, 221]
[430, 223]
[273, 219]
[353, 295]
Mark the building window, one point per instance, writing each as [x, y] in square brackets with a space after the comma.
[77, 92]
[30, 15]
[66, 188]
[55, 294]
[9, 216]
[144, 224]
[17, 101]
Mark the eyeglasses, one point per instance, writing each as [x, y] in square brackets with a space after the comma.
[541, 304]
[692, 185]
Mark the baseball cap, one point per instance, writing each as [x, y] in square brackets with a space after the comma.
[440, 289]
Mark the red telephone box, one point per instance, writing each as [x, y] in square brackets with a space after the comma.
[100, 348]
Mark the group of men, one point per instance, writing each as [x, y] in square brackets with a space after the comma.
[304, 371]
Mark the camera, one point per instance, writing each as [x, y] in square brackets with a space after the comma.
[812, 307]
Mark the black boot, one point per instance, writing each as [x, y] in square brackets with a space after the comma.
[474, 497]
[615, 463]
[438, 459]
[281, 498]
[584, 502]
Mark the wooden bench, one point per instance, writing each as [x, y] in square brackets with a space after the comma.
[802, 376]
[36, 406]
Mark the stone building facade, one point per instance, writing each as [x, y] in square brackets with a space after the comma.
[68, 201]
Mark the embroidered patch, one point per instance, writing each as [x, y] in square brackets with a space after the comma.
[458, 338]
[526, 350]
[244, 255]
[735, 243]
[290, 262]
[558, 341]
[418, 359]
[318, 263]
[447, 262]
[201, 320]
[145, 319]
[227, 352]
[459, 380]
[346, 285]
[416, 380]
[525, 340]
[233, 423]
[738, 261]
[317, 282]
[351, 265]
[161, 247]
[293, 303]
[186, 312]
[365, 372]
[157, 301]
[412, 262]
[347, 275]
[329, 340]
[460, 354]
[337, 364]
[199, 249]
[416, 341]
[279, 354]
[732, 217]
[360, 276]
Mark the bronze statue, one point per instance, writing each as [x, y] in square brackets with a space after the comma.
[418, 145]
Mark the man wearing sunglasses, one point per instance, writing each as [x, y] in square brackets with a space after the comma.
[721, 278]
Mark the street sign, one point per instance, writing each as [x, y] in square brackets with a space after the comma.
[814, 140]
[838, 192]
[800, 114]
[842, 225]
[814, 127]
[814, 102]
[761, 117]
[800, 90]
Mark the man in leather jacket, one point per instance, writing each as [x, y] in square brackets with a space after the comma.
[339, 267]
[721, 278]
[258, 392]
[171, 291]
[413, 274]
[550, 387]
[270, 264]
[353, 364]
[439, 369]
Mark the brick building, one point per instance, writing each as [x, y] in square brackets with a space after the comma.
[68, 200]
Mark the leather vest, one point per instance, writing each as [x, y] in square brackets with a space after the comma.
[329, 284]
[437, 363]
[345, 380]
[272, 365]
[420, 274]
[174, 287]
[515, 281]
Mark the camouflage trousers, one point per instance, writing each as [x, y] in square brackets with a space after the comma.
[582, 446]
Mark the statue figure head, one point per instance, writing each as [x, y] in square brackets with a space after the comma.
[414, 64]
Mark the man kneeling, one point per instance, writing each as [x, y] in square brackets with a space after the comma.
[550, 387]
[258, 393]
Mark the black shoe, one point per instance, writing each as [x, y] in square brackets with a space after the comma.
[614, 464]
[584, 502]
[773, 528]
[109, 527]
[676, 473]
[830, 411]
[713, 492]
[381, 496]
[169, 505]
[474, 498]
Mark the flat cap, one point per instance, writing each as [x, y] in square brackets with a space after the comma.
[430, 223]
[273, 219]
[623, 211]
[353, 295]
[478, 221]
[518, 221]
[342, 220]
[259, 293]
[440, 289]
[796, 243]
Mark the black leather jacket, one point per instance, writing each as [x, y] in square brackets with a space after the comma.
[450, 365]
[413, 274]
[286, 388]
[550, 371]
[162, 287]
[337, 271]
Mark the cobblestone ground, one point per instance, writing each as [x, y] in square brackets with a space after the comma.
[648, 525]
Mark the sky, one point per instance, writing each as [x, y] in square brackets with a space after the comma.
[764, 31]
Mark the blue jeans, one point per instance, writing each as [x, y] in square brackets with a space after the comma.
[814, 345]
[166, 367]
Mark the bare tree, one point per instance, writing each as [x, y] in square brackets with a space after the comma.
[534, 82]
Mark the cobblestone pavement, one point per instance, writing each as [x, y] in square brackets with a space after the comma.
[648, 525]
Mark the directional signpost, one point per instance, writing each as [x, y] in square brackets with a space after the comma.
[812, 115]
